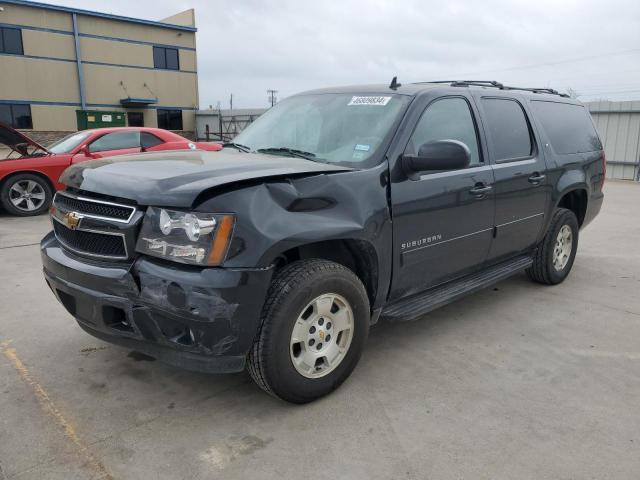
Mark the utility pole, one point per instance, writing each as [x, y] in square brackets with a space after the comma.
[272, 99]
[231, 102]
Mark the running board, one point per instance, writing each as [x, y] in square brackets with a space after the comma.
[418, 305]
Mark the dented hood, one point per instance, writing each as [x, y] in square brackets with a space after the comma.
[178, 178]
[19, 142]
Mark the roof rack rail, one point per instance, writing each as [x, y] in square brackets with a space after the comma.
[464, 83]
[494, 84]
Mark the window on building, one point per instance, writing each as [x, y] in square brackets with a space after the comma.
[135, 119]
[116, 141]
[159, 58]
[170, 119]
[568, 126]
[508, 129]
[11, 41]
[447, 119]
[167, 58]
[16, 115]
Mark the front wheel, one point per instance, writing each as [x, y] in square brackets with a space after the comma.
[26, 194]
[554, 257]
[314, 325]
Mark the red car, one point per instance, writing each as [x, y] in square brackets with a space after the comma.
[29, 175]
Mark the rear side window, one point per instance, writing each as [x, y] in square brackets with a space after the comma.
[149, 140]
[569, 128]
[508, 128]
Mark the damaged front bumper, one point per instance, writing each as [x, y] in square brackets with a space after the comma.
[194, 318]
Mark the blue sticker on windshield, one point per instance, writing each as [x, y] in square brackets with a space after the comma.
[362, 148]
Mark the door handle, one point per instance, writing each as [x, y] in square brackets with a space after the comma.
[536, 178]
[480, 190]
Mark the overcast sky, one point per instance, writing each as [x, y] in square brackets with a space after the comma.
[248, 46]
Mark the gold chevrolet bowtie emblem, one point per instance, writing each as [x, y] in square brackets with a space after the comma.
[321, 334]
[72, 220]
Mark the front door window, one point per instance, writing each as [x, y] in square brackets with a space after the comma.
[446, 119]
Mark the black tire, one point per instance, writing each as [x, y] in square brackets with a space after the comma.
[292, 289]
[20, 179]
[543, 270]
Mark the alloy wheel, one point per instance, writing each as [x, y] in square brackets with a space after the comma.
[562, 248]
[322, 335]
[27, 195]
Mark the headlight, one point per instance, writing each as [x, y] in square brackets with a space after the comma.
[187, 237]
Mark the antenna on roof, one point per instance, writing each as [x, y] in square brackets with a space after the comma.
[394, 84]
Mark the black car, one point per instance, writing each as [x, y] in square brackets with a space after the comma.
[334, 209]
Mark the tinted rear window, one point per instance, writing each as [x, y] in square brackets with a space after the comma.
[568, 127]
[508, 128]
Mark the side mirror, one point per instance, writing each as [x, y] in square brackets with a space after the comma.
[437, 155]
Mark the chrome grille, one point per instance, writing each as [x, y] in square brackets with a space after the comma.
[91, 242]
[93, 227]
[94, 208]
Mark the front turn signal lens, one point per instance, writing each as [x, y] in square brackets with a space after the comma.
[222, 240]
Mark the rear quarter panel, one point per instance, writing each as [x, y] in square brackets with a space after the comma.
[573, 172]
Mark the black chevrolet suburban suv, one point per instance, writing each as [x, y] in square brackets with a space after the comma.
[335, 208]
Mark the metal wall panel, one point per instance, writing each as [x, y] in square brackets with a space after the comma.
[618, 124]
[224, 124]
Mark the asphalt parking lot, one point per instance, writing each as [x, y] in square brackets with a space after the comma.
[519, 381]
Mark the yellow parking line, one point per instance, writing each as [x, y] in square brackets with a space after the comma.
[50, 409]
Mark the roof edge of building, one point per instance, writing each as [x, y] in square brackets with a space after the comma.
[91, 13]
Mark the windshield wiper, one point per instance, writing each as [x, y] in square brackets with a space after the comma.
[239, 146]
[291, 151]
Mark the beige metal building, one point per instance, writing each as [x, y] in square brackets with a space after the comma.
[64, 69]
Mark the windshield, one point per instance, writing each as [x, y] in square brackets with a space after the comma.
[68, 143]
[330, 128]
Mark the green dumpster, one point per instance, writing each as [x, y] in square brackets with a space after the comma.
[99, 119]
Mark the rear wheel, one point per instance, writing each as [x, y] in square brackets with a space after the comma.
[314, 325]
[26, 194]
[556, 253]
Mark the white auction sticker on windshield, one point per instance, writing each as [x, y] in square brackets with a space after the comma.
[381, 101]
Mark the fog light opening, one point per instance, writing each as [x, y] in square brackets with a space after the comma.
[115, 318]
[67, 301]
[185, 338]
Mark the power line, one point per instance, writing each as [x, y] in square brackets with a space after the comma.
[547, 64]
[622, 92]
[611, 89]
[605, 85]
[603, 73]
